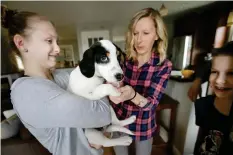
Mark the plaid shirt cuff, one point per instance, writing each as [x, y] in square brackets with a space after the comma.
[149, 104]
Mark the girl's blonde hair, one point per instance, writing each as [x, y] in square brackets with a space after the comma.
[160, 45]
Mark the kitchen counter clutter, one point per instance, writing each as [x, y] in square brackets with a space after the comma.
[177, 75]
[181, 79]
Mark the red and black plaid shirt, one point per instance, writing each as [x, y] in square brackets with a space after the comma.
[150, 80]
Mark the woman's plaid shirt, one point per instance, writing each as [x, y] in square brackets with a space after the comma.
[150, 80]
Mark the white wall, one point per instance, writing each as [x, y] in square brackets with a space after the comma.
[178, 91]
[118, 35]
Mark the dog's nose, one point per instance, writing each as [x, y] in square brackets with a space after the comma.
[119, 76]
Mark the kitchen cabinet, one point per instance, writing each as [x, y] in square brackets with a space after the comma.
[202, 23]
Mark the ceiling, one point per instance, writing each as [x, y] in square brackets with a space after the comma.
[68, 15]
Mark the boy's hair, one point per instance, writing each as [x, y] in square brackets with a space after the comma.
[227, 49]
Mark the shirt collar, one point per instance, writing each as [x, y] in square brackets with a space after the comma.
[153, 61]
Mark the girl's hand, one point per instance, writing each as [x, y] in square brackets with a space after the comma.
[95, 146]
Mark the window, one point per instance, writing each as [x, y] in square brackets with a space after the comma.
[88, 38]
[91, 41]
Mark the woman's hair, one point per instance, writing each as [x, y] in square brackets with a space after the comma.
[16, 23]
[160, 45]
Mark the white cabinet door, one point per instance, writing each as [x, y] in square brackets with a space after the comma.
[90, 37]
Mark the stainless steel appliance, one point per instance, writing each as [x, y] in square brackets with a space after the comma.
[181, 52]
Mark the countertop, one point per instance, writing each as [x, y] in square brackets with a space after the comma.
[180, 79]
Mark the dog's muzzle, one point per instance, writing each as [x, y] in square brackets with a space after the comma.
[119, 76]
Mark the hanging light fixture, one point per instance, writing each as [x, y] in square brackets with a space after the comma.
[163, 10]
[224, 33]
[230, 19]
[230, 27]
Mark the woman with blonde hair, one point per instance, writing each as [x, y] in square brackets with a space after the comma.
[146, 71]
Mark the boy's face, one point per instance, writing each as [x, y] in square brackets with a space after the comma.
[221, 77]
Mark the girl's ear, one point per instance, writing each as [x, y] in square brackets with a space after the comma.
[19, 42]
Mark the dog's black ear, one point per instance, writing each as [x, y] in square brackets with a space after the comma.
[87, 64]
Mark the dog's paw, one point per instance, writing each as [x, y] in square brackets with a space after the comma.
[127, 131]
[127, 121]
[125, 140]
[132, 118]
[114, 92]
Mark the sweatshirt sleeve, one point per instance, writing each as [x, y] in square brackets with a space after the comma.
[43, 104]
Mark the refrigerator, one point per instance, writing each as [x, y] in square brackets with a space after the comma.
[181, 52]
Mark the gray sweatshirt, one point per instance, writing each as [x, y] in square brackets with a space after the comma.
[57, 117]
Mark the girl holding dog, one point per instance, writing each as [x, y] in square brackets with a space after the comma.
[146, 72]
[53, 115]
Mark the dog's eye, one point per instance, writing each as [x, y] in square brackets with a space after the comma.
[104, 58]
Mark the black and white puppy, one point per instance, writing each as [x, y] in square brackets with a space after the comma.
[99, 65]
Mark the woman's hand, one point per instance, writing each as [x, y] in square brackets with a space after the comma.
[121, 83]
[115, 99]
[127, 93]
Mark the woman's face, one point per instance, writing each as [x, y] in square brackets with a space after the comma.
[42, 44]
[144, 35]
